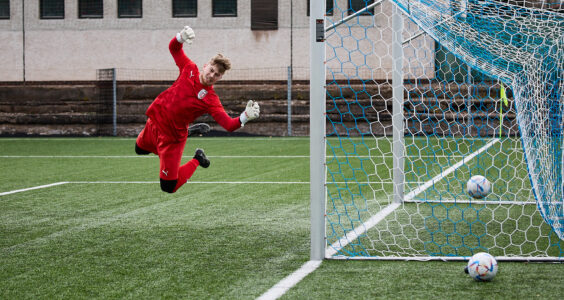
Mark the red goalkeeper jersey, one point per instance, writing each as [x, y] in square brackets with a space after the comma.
[187, 99]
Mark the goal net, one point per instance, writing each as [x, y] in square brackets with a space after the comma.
[422, 95]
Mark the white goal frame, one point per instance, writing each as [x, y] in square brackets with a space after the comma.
[318, 170]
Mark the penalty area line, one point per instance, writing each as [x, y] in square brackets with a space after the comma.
[190, 182]
[146, 182]
[33, 188]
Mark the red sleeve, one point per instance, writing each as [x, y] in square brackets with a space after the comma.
[222, 118]
[178, 54]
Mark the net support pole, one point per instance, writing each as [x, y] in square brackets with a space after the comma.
[114, 103]
[289, 100]
[317, 129]
[397, 114]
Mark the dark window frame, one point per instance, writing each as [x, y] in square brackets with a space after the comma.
[57, 17]
[121, 14]
[370, 12]
[90, 16]
[258, 25]
[329, 8]
[223, 15]
[6, 17]
[180, 15]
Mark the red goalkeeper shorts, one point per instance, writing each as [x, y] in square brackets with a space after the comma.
[170, 153]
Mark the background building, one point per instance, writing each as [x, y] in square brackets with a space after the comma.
[67, 40]
[57, 47]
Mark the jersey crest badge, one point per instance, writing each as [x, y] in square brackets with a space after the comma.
[202, 94]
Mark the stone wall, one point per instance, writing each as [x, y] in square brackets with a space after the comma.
[85, 109]
[79, 109]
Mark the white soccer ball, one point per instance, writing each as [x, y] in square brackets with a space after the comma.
[482, 267]
[478, 186]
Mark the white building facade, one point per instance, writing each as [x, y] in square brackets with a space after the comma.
[68, 40]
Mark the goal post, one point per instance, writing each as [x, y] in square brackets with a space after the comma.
[398, 143]
[406, 105]
[317, 129]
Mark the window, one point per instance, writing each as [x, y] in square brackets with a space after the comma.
[90, 9]
[224, 8]
[264, 14]
[356, 5]
[130, 8]
[184, 8]
[328, 7]
[4, 9]
[52, 9]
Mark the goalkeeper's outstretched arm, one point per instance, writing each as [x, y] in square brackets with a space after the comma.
[251, 112]
[186, 35]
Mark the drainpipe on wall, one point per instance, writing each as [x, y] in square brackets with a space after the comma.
[23, 40]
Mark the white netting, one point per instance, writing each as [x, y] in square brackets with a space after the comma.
[452, 130]
[523, 47]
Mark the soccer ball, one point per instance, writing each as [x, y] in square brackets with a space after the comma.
[478, 186]
[482, 267]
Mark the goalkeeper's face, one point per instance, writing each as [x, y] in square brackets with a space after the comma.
[211, 74]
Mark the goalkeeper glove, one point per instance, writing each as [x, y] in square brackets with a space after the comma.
[185, 35]
[251, 112]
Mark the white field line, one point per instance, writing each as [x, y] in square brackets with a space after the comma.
[287, 283]
[146, 182]
[258, 138]
[113, 139]
[211, 156]
[486, 202]
[149, 156]
[191, 182]
[356, 232]
[453, 168]
[112, 219]
[291, 280]
[33, 188]
[246, 182]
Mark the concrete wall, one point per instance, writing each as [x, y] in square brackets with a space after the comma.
[71, 49]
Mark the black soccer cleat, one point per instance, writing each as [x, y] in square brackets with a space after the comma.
[198, 129]
[200, 156]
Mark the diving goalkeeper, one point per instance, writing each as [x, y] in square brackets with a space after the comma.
[172, 112]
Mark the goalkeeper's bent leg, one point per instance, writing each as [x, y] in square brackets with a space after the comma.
[185, 172]
[140, 151]
[168, 185]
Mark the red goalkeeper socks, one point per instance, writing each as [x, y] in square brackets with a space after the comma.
[185, 172]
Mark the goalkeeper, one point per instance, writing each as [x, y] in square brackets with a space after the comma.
[171, 113]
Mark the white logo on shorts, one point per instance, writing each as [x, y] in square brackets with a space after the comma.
[202, 94]
[165, 172]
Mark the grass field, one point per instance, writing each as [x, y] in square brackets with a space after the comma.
[105, 230]
[438, 217]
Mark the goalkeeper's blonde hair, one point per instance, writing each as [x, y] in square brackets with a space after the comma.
[222, 62]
